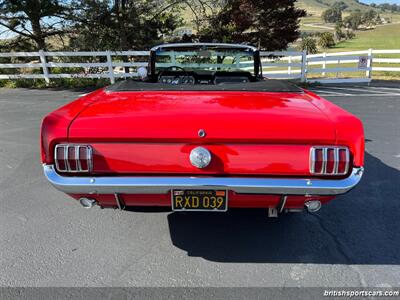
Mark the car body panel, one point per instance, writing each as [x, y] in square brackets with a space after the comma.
[55, 125]
[173, 158]
[348, 128]
[259, 135]
[227, 116]
[248, 133]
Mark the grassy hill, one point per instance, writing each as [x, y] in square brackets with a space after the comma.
[382, 37]
[317, 6]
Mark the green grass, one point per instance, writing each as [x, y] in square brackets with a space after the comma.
[382, 37]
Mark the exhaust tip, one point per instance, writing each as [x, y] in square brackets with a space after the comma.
[313, 206]
[87, 203]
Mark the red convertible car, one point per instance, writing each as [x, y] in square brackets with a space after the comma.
[204, 131]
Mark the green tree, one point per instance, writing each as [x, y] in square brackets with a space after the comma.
[332, 15]
[369, 17]
[350, 35]
[353, 21]
[34, 20]
[340, 5]
[269, 24]
[339, 34]
[309, 44]
[326, 40]
[122, 24]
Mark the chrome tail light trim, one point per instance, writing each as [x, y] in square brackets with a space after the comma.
[89, 158]
[65, 148]
[324, 160]
[347, 161]
[56, 158]
[336, 163]
[312, 160]
[336, 160]
[66, 162]
[77, 156]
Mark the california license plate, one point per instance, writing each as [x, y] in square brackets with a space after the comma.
[200, 200]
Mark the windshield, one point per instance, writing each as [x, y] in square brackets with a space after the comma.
[229, 60]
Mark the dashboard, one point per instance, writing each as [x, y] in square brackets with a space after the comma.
[182, 77]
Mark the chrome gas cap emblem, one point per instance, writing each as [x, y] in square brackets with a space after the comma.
[200, 157]
[202, 133]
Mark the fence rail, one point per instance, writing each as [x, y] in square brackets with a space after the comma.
[353, 66]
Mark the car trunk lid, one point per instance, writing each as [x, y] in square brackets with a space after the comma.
[166, 116]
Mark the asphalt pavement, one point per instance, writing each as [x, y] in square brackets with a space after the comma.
[48, 239]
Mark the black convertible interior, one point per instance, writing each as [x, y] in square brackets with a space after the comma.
[262, 85]
[180, 76]
[204, 67]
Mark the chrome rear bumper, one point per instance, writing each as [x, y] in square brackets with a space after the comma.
[162, 185]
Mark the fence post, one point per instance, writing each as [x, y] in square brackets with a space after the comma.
[338, 66]
[290, 67]
[44, 66]
[304, 66]
[110, 67]
[369, 64]
[324, 63]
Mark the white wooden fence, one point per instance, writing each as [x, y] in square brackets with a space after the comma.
[105, 64]
[284, 64]
[355, 66]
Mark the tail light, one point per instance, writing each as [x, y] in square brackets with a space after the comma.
[73, 158]
[329, 160]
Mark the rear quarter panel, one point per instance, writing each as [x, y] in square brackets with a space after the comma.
[55, 125]
[349, 128]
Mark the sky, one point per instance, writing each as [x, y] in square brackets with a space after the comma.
[381, 1]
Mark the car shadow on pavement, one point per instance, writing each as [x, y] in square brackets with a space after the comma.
[361, 227]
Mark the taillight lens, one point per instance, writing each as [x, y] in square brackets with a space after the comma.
[343, 164]
[318, 161]
[73, 158]
[329, 160]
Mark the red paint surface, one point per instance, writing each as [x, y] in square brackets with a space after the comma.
[55, 125]
[235, 117]
[348, 128]
[166, 158]
[248, 133]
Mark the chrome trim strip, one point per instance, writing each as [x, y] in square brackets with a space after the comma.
[162, 185]
[89, 158]
[66, 154]
[199, 45]
[324, 160]
[312, 160]
[336, 160]
[77, 162]
[347, 161]
[56, 159]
